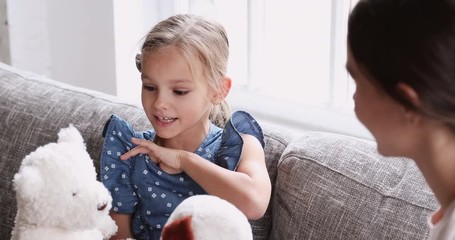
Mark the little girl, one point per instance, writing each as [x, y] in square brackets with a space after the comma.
[195, 147]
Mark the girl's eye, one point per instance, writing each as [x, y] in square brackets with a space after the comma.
[180, 92]
[149, 88]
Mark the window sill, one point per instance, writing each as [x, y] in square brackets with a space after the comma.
[297, 118]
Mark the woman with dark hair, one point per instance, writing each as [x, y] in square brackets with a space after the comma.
[401, 55]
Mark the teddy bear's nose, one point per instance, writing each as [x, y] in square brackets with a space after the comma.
[102, 207]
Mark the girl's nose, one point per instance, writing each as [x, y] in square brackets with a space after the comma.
[161, 101]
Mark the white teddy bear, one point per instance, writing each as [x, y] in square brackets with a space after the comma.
[58, 196]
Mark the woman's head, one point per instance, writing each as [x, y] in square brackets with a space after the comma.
[408, 43]
[204, 46]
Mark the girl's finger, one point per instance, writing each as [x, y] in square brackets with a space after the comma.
[133, 152]
[141, 142]
[151, 146]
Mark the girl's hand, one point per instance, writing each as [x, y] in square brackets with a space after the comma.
[168, 159]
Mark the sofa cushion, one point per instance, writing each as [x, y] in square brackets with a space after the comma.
[343, 184]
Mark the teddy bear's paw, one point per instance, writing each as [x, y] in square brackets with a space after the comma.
[108, 227]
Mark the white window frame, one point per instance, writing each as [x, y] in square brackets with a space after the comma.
[298, 118]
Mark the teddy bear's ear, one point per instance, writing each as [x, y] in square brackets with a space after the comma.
[71, 135]
[179, 229]
[27, 183]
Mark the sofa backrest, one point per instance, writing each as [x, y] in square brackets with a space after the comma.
[33, 109]
[324, 186]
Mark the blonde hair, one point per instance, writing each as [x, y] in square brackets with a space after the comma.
[196, 38]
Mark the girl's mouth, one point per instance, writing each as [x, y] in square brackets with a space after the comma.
[165, 119]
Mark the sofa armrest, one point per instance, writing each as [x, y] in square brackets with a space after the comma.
[276, 141]
[332, 186]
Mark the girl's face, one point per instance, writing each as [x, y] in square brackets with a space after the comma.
[176, 102]
[380, 113]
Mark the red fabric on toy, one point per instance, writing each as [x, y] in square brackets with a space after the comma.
[180, 229]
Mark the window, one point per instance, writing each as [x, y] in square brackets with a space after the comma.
[287, 59]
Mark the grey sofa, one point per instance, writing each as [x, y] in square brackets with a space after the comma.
[325, 186]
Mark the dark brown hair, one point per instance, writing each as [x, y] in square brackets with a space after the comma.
[408, 41]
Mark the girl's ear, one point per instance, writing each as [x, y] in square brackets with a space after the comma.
[222, 93]
[227, 83]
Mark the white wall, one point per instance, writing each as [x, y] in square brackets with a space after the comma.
[4, 34]
[92, 44]
[136, 18]
[29, 40]
[69, 41]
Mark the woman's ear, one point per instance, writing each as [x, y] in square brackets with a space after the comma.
[409, 93]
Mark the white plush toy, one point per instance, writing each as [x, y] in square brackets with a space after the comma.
[206, 217]
[58, 196]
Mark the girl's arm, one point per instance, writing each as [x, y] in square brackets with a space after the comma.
[248, 188]
[123, 222]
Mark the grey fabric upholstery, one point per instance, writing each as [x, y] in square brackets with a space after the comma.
[32, 110]
[276, 141]
[325, 186]
[345, 186]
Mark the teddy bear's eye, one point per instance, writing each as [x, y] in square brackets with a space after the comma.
[74, 194]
